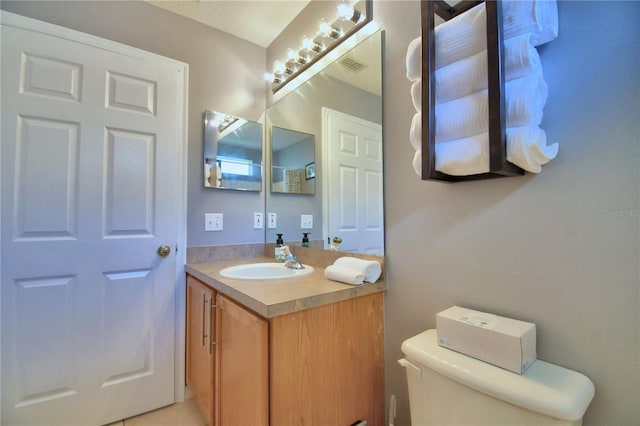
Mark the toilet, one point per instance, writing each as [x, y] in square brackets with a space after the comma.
[449, 388]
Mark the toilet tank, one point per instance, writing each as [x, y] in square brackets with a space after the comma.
[449, 388]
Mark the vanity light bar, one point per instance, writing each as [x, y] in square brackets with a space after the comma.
[329, 36]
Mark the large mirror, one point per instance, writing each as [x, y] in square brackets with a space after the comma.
[232, 152]
[292, 161]
[342, 108]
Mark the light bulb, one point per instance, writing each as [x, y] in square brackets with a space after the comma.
[326, 30]
[345, 10]
[268, 77]
[278, 67]
[307, 43]
[292, 54]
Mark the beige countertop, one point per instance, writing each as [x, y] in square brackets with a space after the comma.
[272, 298]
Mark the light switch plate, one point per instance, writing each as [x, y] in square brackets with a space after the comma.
[258, 221]
[306, 221]
[272, 220]
[213, 222]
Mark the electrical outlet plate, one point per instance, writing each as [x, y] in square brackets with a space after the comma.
[272, 220]
[306, 221]
[258, 221]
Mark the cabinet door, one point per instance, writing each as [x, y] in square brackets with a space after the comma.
[200, 353]
[242, 365]
[327, 364]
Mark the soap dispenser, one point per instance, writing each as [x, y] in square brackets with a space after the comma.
[279, 256]
[305, 239]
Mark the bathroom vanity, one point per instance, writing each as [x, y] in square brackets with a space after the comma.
[304, 350]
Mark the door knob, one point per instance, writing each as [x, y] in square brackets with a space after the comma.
[164, 251]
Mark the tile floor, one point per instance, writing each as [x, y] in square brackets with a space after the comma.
[180, 414]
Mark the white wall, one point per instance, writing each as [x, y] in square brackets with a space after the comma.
[544, 248]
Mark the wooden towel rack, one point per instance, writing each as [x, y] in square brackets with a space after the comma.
[498, 164]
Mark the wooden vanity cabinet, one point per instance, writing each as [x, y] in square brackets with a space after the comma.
[227, 358]
[323, 365]
[200, 351]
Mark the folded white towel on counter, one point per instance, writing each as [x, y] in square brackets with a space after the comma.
[465, 35]
[469, 75]
[370, 268]
[344, 274]
[467, 116]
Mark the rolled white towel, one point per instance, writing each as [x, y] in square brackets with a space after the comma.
[414, 59]
[467, 116]
[344, 274]
[415, 132]
[524, 100]
[527, 148]
[469, 75]
[539, 17]
[417, 162]
[465, 35]
[416, 94]
[370, 268]
[463, 157]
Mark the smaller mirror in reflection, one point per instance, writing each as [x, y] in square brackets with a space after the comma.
[292, 162]
[232, 152]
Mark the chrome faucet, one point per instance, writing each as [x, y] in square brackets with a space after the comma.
[290, 260]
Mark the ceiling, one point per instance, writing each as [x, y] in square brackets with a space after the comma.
[261, 21]
[258, 21]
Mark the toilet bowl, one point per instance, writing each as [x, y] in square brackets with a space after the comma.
[449, 388]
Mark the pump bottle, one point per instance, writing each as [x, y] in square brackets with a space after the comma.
[279, 256]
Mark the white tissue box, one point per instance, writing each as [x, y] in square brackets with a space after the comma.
[505, 342]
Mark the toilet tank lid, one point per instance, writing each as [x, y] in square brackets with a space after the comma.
[544, 388]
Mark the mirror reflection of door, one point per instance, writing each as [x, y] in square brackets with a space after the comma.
[232, 152]
[354, 201]
[292, 161]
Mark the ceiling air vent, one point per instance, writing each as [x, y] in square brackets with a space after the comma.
[352, 65]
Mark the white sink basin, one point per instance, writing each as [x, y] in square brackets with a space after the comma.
[264, 271]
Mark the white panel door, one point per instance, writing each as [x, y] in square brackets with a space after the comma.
[354, 192]
[90, 149]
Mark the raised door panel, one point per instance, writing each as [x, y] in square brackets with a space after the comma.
[242, 367]
[327, 364]
[200, 358]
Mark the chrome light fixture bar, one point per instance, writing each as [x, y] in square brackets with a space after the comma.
[329, 36]
[224, 123]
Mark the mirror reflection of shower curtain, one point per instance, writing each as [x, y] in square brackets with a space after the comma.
[293, 180]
